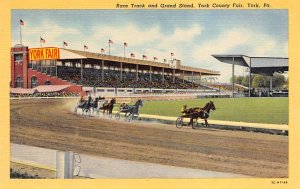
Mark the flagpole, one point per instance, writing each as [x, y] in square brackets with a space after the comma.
[109, 47]
[124, 50]
[20, 32]
[41, 41]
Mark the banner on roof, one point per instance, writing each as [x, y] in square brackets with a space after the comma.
[47, 53]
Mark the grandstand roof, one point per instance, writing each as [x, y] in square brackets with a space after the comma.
[258, 65]
[98, 56]
[65, 54]
[240, 60]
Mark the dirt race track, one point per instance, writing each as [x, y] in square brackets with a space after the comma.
[51, 124]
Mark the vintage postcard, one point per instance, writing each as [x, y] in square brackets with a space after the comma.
[149, 94]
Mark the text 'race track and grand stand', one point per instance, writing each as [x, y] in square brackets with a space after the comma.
[193, 5]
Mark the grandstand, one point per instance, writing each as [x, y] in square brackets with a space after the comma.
[97, 72]
[112, 79]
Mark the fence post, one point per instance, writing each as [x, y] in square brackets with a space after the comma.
[64, 164]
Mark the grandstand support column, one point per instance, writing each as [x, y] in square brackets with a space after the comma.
[173, 75]
[200, 76]
[150, 73]
[137, 72]
[233, 77]
[102, 70]
[183, 76]
[121, 70]
[249, 87]
[55, 67]
[163, 75]
[81, 69]
[193, 79]
[46, 67]
[271, 83]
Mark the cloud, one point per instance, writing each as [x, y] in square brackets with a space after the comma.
[130, 33]
[236, 41]
[53, 33]
[150, 41]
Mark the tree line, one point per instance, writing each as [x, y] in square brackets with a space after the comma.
[261, 81]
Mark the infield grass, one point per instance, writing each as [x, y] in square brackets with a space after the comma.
[253, 110]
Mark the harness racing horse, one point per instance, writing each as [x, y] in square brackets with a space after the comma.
[108, 107]
[203, 113]
[95, 104]
[85, 106]
[132, 111]
[197, 112]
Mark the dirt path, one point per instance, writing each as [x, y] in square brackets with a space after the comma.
[51, 124]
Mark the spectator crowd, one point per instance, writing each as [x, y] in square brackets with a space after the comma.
[112, 78]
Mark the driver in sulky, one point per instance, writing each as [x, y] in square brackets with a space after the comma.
[184, 110]
[81, 100]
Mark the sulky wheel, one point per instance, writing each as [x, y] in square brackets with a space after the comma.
[117, 116]
[195, 123]
[129, 118]
[179, 122]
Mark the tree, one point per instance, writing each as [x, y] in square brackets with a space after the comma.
[245, 81]
[260, 81]
[278, 81]
[237, 79]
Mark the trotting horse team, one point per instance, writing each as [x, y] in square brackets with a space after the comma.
[92, 105]
[99, 103]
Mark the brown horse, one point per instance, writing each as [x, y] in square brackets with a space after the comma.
[108, 107]
[203, 113]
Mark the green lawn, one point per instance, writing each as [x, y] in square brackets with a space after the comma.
[255, 110]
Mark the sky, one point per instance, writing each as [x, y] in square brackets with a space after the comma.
[192, 35]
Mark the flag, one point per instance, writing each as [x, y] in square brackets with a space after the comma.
[165, 60]
[132, 55]
[144, 57]
[172, 54]
[155, 58]
[102, 50]
[85, 47]
[21, 22]
[110, 42]
[42, 40]
[65, 43]
[125, 44]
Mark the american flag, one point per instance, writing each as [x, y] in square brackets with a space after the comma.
[42, 40]
[102, 50]
[21, 22]
[85, 47]
[132, 55]
[125, 44]
[110, 42]
[65, 43]
[172, 54]
[165, 60]
[155, 58]
[144, 57]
